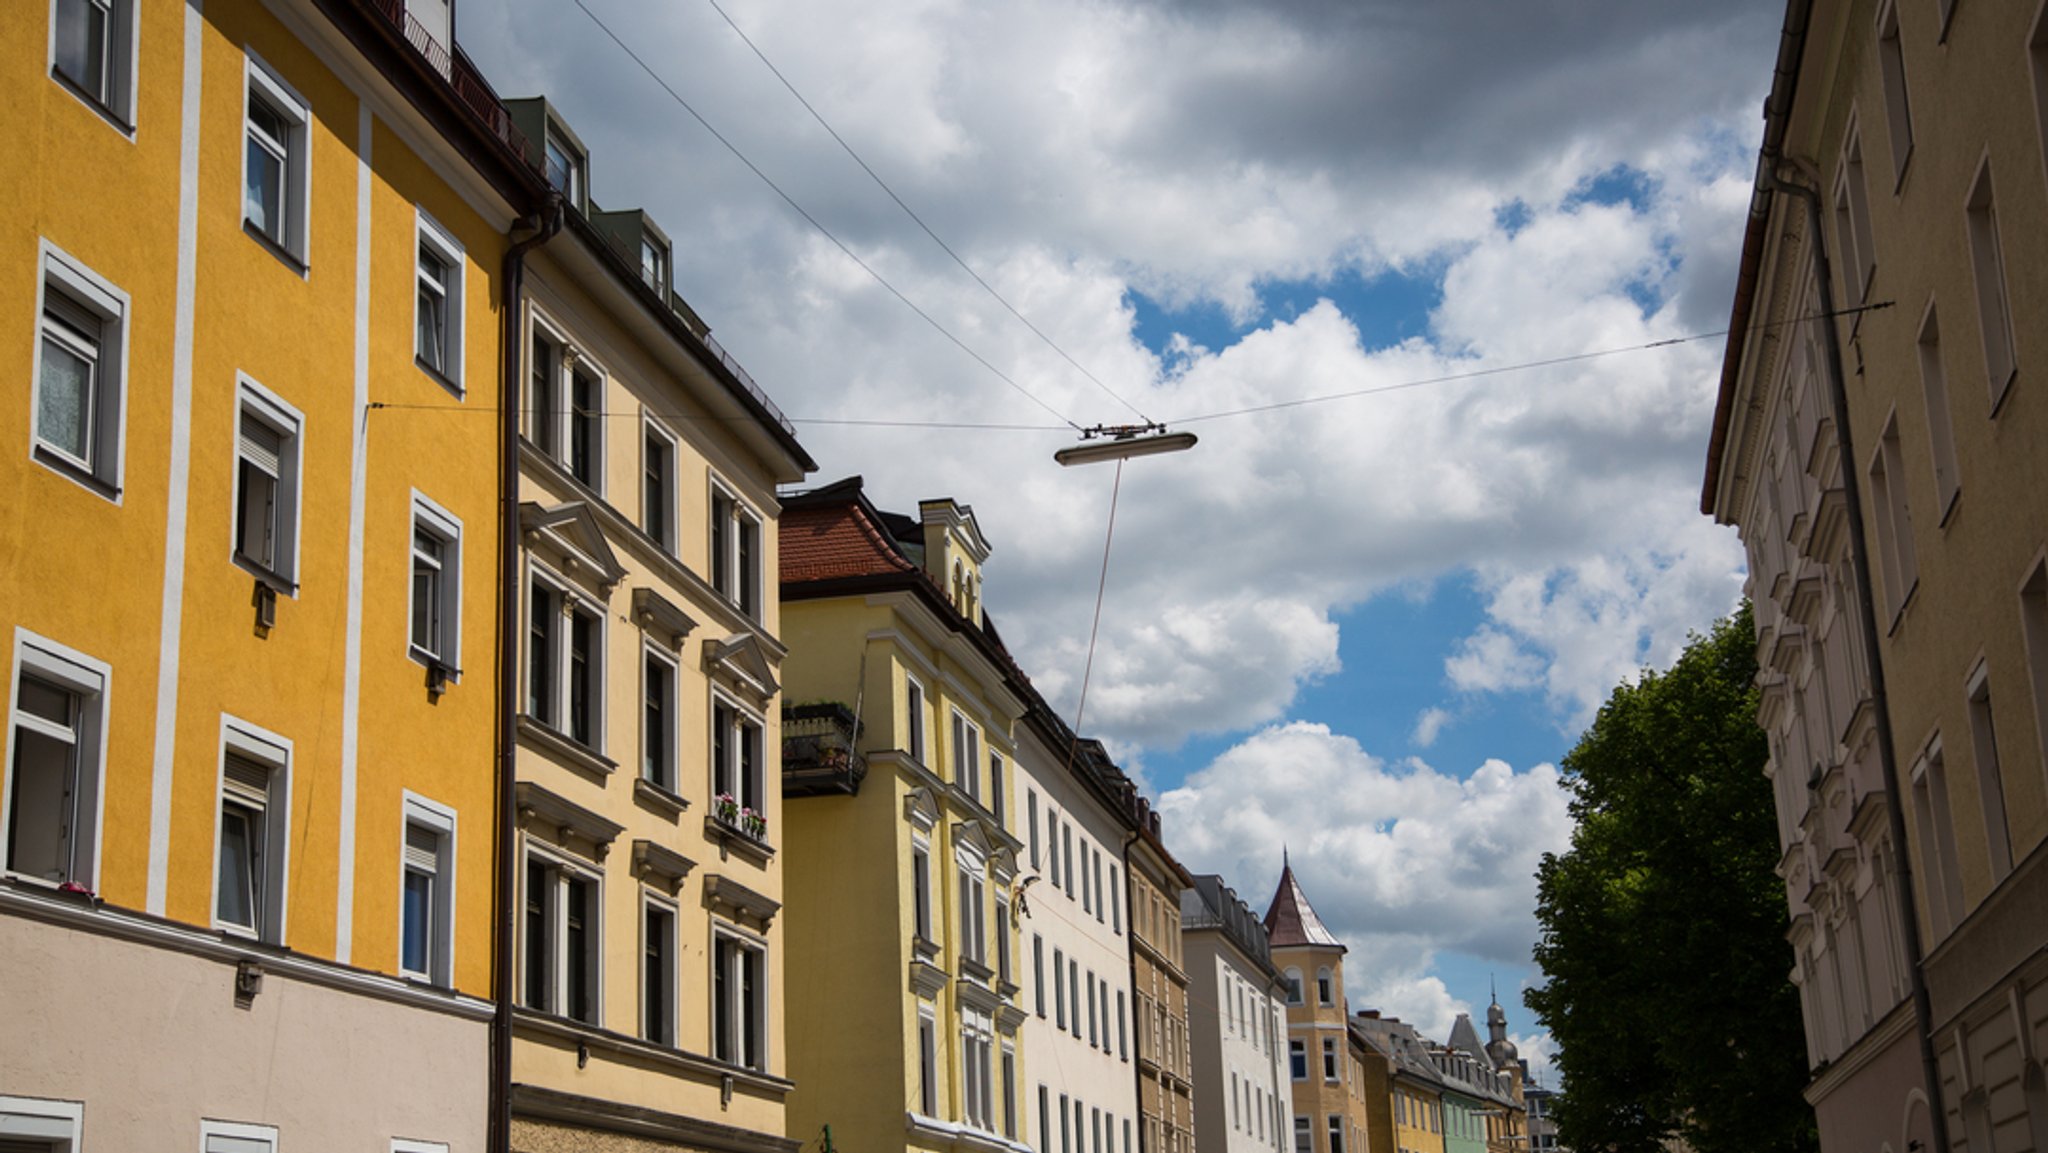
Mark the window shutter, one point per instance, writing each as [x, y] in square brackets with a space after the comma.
[422, 849]
[262, 445]
[76, 317]
[247, 780]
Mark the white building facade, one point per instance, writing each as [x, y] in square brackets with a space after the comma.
[1237, 1024]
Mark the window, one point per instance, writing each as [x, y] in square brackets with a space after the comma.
[52, 794]
[1074, 996]
[2034, 629]
[976, 1045]
[658, 973]
[1894, 519]
[1095, 1127]
[1304, 1139]
[544, 395]
[973, 924]
[92, 51]
[1092, 1022]
[736, 756]
[1052, 840]
[1010, 1092]
[437, 312]
[1102, 990]
[913, 712]
[1003, 939]
[654, 265]
[436, 585]
[42, 1125]
[81, 373]
[1942, 880]
[1993, 312]
[562, 939]
[565, 651]
[998, 802]
[1087, 896]
[426, 917]
[966, 756]
[267, 438]
[1948, 480]
[921, 891]
[1325, 987]
[1336, 1133]
[1067, 840]
[564, 169]
[1059, 989]
[1294, 986]
[1080, 1141]
[275, 167]
[658, 709]
[1098, 885]
[1852, 224]
[1116, 902]
[1297, 1059]
[1123, 1044]
[1897, 110]
[739, 1003]
[1236, 1103]
[586, 425]
[1038, 971]
[1065, 1145]
[1031, 822]
[1990, 789]
[657, 487]
[253, 836]
[1045, 1119]
[736, 553]
[1329, 1059]
[927, 1065]
[228, 1137]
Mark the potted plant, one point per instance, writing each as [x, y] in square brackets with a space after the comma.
[753, 824]
[726, 808]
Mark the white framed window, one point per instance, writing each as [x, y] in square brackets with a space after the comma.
[79, 406]
[1329, 1060]
[927, 1064]
[436, 592]
[1304, 1138]
[252, 835]
[268, 434]
[659, 717]
[739, 1000]
[1898, 112]
[1293, 979]
[561, 935]
[1901, 571]
[1326, 987]
[565, 638]
[973, 921]
[276, 162]
[92, 53]
[736, 765]
[735, 551]
[1003, 965]
[921, 889]
[426, 915]
[1010, 1091]
[1994, 309]
[966, 755]
[546, 354]
[977, 1038]
[658, 485]
[1990, 786]
[584, 454]
[998, 786]
[234, 1137]
[1336, 1133]
[1948, 480]
[657, 970]
[56, 760]
[1297, 1059]
[913, 712]
[1853, 238]
[654, 264]
[438, 274]
[41, 1125]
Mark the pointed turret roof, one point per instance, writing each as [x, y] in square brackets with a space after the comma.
[1465, 1038]
[1290, 921]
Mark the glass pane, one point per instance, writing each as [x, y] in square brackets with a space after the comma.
[81, 44]
[426, 605]
[576, 942]
[580, 673]
[46, 701]
[539, 942]
[431, 340]
[255, 515]
[415, 950]
[721, 1001]
[263, 197]
[540, 658]
[64, 401]
[237, 882]
[40, 809]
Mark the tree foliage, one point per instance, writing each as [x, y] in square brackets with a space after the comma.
[1663, 927]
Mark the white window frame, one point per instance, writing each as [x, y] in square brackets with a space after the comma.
[436, 521]
[577, 364]
[408, 1145]
[914, 700]
[723, 932]
[563, 869]
[273, 412]
[86, 291]
[671, 984]
[973, 911]
[438, 819]
[448, 249]
[921, 923]
[550, 437]
[258, 745]
[665, 533]
[666, 771]
[1993, 286]
[262, 82]
[62, 1123]
[967, 755]
[1898, 104]
[977, 1044]
[1985, 759]
[90, 682]
[725, 777]
[571, 600]
[236, 1136]
[116, 105]
[1853, 227]
[732, 516]
[927, 1062]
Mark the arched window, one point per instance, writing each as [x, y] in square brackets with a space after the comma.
[1326, 990]
[1294, 986]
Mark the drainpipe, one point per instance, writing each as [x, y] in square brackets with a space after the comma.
[539, 229]
[1866, 605]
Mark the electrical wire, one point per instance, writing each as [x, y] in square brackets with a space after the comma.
[827, 233]
[919, 220]
[1101, 585]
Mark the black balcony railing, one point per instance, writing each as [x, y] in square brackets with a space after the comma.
[470, 88]
[819, 757]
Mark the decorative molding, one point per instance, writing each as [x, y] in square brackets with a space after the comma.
[664, 865]
[921, 809]
[652, 796]
[564, 749]
[926, 979]
[959, 1138]
[971, 992]
[736, 902]
[538, 806]
[732, 841]
[741, 662]
[574, 536]
[657, 614]
[531, 1101]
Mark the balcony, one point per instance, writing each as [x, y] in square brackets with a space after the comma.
[471, 90]
[819, 758]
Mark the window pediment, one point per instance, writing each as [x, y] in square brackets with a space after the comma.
[547, 810]
[921, 809]
[570, 534]
[736, 902]
[659, 615]
[660, 864]
[740, 662]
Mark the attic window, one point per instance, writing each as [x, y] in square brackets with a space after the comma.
[564, 169]
[654, 265]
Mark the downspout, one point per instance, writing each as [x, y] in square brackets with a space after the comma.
[540, 228]
[1880, 705]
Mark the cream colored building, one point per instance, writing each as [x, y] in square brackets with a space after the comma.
[1237, 1022]
[650, 970]
[1901, 185]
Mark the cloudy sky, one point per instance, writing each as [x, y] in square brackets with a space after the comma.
[1364, 628]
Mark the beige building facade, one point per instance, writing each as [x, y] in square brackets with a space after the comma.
[1237, 1024]
[1898, 556]
[1162, 990]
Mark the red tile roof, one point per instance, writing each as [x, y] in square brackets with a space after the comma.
[833, 541]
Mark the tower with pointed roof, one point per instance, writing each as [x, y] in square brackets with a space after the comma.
[1311, 962]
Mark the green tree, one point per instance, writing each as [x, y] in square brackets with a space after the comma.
[1663, 943]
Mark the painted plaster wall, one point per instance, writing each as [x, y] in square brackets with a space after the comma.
[1255, 1051]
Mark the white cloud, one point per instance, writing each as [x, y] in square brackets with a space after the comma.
[1428, 725]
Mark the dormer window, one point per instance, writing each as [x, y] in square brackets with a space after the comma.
[654, 265]
[564, 170]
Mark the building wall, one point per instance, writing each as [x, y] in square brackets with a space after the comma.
[1312, 1022]
[1160, 978]
[1252, 1045]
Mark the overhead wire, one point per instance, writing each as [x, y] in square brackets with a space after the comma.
[815, 223]
[919, 220]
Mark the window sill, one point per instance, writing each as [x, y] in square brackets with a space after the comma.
[99, 107]
[290, 259]
[566, 749]
[72, 471]
[276, 582]
[441, 378]
[732, 841]
[658, 799]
